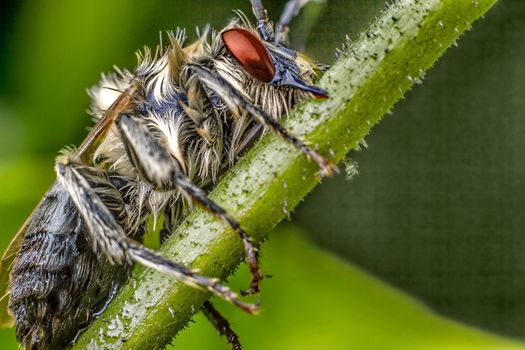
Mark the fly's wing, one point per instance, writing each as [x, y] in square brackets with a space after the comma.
[6, 319]
[86, 151]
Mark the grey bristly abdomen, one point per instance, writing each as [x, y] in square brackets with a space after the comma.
[57, 281]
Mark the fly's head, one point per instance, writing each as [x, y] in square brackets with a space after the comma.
[272, 75]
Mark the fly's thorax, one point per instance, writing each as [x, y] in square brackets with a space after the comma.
[198, 127]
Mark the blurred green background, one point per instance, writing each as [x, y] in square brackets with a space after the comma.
[436, 210]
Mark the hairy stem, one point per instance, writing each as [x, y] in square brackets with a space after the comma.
[371, 76]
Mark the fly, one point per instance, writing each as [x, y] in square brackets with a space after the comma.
[165, 131]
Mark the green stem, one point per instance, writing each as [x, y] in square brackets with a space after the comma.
[373, 74]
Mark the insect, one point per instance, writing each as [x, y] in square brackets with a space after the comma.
[164, 131]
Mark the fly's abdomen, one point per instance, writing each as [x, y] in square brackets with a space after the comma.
[57, 281]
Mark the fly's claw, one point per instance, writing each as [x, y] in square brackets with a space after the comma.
[327, 168]
[252, 255]
[252, 309]
[257, 277]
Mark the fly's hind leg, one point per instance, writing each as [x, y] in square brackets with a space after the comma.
[221, 325]
[109, 237]
[161, 170]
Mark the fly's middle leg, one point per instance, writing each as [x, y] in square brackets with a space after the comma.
[162, 171]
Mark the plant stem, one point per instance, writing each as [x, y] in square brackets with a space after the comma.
[371, 76]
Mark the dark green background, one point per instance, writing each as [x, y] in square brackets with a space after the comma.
[437, 207]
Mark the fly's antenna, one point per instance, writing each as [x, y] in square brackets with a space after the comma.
[264, 26]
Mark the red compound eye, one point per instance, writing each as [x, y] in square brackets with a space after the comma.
[250, 52]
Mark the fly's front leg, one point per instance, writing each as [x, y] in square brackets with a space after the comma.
[221, 325]
[237, 102]
[159, 168]
[109, 238]
[291, 10]
[263, 22]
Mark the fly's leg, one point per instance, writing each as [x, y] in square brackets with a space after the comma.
[291, 10]
[237, 102]
[172, 217]
[161, 170]
[263, 22]
[108, 236]
[221, 325]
